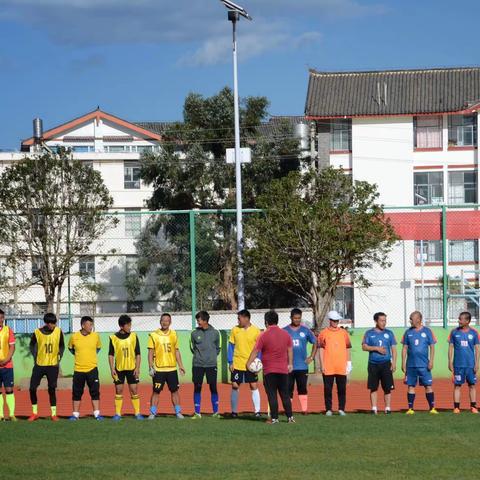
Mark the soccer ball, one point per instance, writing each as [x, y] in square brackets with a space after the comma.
[255, 366]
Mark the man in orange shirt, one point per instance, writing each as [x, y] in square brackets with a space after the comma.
[334, 344]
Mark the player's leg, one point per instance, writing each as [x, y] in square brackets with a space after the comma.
[94, 389]
[252, 381]
[211, 374]
[341, 392]
[78, 385]
[1, 395]
[35, 379]
[236, 379]
[472, 381]
[291, 384]
[174, 387]
[411, 380]
[119, 382]
[9, 395]
[134, 397]
[372, 385]
[301, 377]
[282, 386]
[52, 378]
[327, 392]
[270, 383]
[386, 379]
[426, 380]
[157, 387]
[197, 379]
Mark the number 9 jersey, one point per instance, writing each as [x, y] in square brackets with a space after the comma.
[164, 346]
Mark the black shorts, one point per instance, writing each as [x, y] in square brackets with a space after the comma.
[199, 372]
[380, 373]
[128, 375]
[243, 376]
[78, 384]
[300, 377]
[38, 372]
[171, 378]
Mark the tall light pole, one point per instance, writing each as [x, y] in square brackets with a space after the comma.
[234, 14]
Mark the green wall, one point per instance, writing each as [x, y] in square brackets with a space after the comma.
[23, 361]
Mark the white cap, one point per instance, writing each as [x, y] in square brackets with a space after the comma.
[334, 315]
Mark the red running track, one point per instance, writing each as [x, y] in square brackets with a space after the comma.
[358, 399]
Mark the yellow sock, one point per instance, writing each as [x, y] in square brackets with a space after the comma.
[53, 409]
[10, 399]
[136, 404]
[1, 404]
[118, 404]
[35, 409]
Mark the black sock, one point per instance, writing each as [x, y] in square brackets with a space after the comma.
[456, 404]
[411, 400]
[473, 404]
[430, 399]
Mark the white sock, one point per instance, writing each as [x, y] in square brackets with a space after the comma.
[387, 409]
[374, 409]
[76, 414]
[96, 413]
[234, 400]
[256, 400]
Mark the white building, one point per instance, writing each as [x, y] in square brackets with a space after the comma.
[414, 134]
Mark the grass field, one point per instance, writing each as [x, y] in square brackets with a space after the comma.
[356, 446]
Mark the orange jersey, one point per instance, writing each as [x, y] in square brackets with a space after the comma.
[335, 342]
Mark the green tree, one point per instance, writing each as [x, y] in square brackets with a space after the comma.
[52, 211]
[191, 172]
[317, 230]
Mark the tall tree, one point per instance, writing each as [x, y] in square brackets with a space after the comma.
[52, 210]
[318, 229]
[191, 172]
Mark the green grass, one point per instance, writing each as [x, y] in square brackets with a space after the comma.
[356, 446]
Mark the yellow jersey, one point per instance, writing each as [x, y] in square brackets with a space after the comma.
[124, 351]
[6, 339]
[244, 340]
[48, 347]
[164, 346]
[85, 350]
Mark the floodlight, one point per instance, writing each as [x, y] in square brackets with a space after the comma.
[236, 8]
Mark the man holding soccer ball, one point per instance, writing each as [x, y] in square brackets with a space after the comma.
[240, 344]
[276, 348]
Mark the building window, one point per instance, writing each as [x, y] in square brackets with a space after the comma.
[428, 188]
[87, 268]
[462, 251]
[343, 302]
[341, 135]
[430, 251]
[130, 265]
[135, 307]
[39, 308]
[462, 130]
[37, 264]
[88, 308]
[133, 222]
[142, 148]
[82, 148]
[117, 148]
[462, 187]
[427, 132]
[131, 175]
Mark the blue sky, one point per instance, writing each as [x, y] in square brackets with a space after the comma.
[138, 59]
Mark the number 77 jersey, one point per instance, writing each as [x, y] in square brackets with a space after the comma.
[164, 346]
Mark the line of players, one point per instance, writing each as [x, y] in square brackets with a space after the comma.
[283, 352]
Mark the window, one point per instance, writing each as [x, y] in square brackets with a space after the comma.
[432, 251]
[341, 135]
[130, 265]
[37, 264]
[117, 148]
[131, 172]
[142, 148]
[88, 308]
[82, 148]
[133, 223]
[462, 251]
[428, 188]
[39, 308]
[343, 302]
[87, 268]
[462, 187]
[135, 307]
[427, 132]
[462, 130]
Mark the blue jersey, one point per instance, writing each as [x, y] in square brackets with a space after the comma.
[418, 343]
[379, 338]
[463, 342]
[300, 338]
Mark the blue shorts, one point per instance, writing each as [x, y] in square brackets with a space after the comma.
[464, 374]
[421, 375]
[6, 377]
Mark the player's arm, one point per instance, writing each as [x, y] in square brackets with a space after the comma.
[253, 356]
[450, 357]
[11, 351]
[290, 358]
[178, 356]
[34, 347]
[477, 356]
[230, 353]
[312, 353]
[111, 360]
[61, 346]
[138, 358]
[404, 358]
[431, 356]
[394, 357]
[71, 346]
[217, 343]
